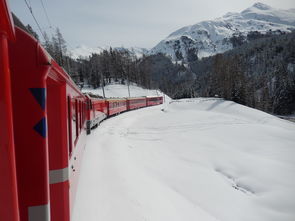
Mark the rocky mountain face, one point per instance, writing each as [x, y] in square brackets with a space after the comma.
[221, 34]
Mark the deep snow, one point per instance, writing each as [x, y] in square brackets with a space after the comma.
[198, 159]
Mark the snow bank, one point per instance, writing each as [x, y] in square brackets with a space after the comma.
[198, 159]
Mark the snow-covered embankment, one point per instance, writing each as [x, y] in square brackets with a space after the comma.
[200, 159]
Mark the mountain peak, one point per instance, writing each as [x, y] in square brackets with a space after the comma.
[261, 6]
[207, 38]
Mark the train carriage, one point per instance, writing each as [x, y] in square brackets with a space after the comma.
[49, 131]
[154, 101]
[97, 111]
[116, 106]
[135, 103]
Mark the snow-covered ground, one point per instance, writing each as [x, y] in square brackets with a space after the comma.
[119, 90]
[199, 159]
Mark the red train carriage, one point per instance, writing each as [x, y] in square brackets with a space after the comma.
[49, 113]
[116, 106]
[135, 103]
[154, 101]
[8, 186]
[97, 112]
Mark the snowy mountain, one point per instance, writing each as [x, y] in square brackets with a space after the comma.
[214, 36]
[85, 51]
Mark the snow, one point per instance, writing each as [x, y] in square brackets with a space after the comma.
[212, 37]
[192, 159]
[84, 51]
[118, 90]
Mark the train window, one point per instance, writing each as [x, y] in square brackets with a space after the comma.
[80, 115]
[83, 111]
[91, 104]
[77, 118]
[70, 125]
[74, 119]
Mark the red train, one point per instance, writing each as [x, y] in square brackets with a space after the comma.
[99, 109]
[44, 120]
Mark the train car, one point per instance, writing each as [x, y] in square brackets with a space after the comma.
[49, 124]
[116, 106]
[97, 111]
[150, 101]
[8, 184]
[135, 103]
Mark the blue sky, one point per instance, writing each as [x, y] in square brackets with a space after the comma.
[141, 23]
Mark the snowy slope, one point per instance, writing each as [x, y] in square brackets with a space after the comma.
[211, 37]
[200, 159]
[85, 51]
[118, 90]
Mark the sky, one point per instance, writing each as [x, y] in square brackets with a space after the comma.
[127, 23]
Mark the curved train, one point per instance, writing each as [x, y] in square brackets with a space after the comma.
[44, 122]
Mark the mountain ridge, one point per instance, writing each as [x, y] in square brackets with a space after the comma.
[210, 37]
[85, 51]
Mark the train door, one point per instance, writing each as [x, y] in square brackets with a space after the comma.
[57, 115]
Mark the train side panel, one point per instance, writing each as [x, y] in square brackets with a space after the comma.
[58, 155]
[66, 112]
[69, 153]
[50, 132]
[28, 74]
